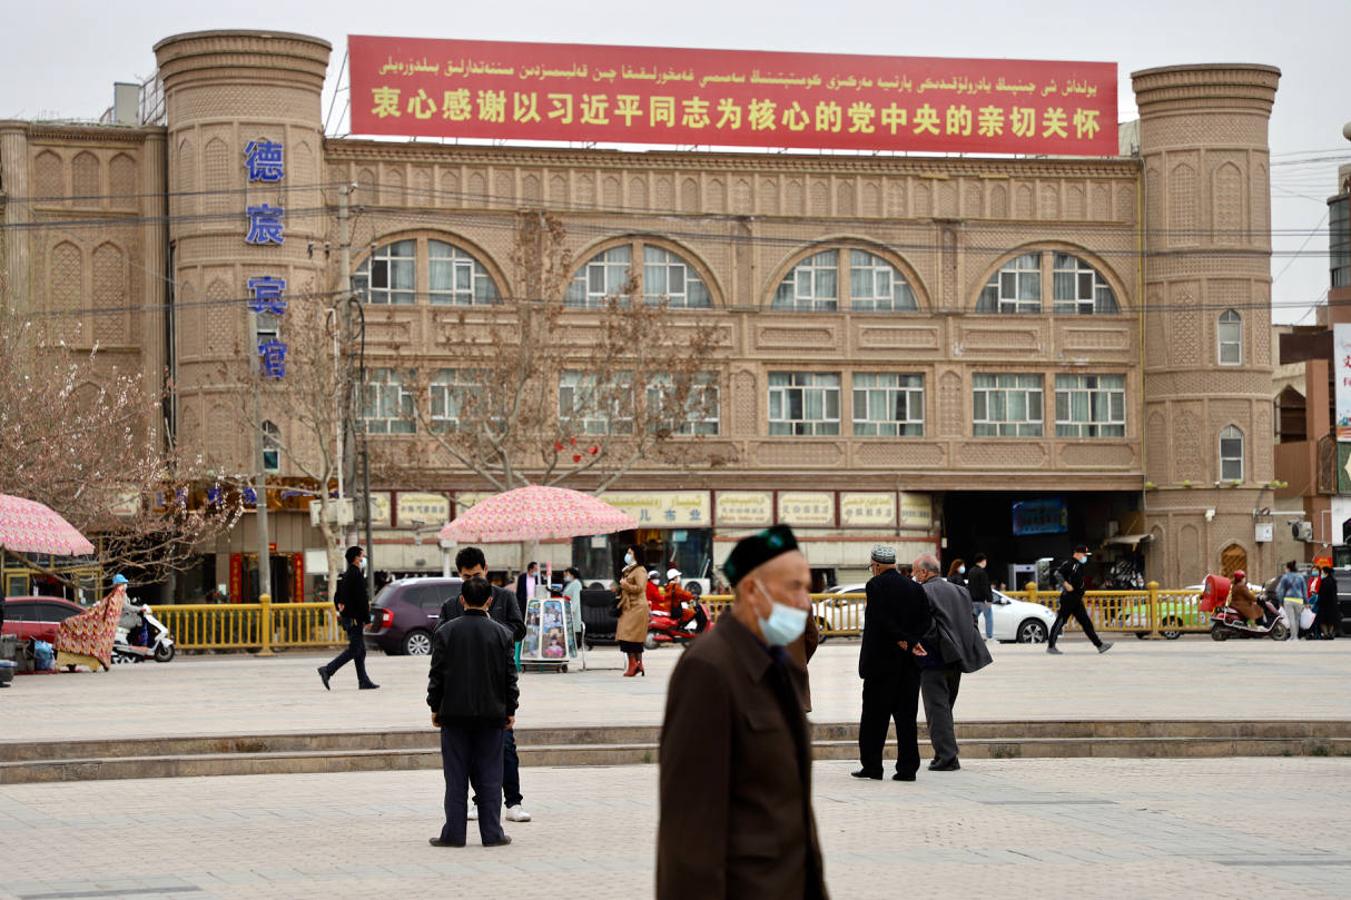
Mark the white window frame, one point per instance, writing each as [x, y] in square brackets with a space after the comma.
[821, 389]
[1092, 294]
[702, 401]
[470, 283]
[1008, 290]
[693, 293]
[800, 289]
[867, 273]
[446, 395]
[612, 267]
[1228, 463]
[392, 259]
[384, 391]
[1232, 321]
[578, 390]
[271, 447]
[1103, 393]
[877, 396]
[994, 392]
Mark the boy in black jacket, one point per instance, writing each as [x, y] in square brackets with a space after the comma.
[473, 696]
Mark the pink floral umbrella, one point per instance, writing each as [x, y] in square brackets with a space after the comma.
[27, 526]
[536, 513]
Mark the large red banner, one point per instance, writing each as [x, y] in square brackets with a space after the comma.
[422, 87]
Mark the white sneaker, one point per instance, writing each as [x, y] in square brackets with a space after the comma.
[516, 814]
[473, 813]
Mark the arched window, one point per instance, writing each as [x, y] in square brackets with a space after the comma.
[271, 447]
[1231, 454]
[875, 285]
[389, 275]
[1229, 338]
[455, 277]
[452, 275]
[664, 277]
[1079, 289]
[1075, 286]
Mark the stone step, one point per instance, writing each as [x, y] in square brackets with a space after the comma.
[637, 753]
[410, 739]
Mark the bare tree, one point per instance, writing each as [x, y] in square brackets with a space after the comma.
[83, 436]
[543, 392]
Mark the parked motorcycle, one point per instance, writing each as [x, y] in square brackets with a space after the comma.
[141, 636]
[1227, 622]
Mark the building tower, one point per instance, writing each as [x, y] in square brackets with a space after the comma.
[1207, 290]
[226, 90]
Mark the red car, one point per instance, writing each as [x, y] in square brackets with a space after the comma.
[37, 617]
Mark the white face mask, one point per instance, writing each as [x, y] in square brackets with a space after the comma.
[961, 570]
[784, 624]
[628, 559]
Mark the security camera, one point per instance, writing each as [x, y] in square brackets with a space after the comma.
[1210, 515]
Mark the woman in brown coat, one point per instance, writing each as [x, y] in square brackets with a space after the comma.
[634, 613]
[1242, 598]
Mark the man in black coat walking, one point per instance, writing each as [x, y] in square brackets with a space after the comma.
[895, 619]
[471, 563]
[354, 612]
[473, 695]
[1071, 577]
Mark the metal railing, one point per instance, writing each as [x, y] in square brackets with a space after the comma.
[1151, 611]
[268, 626]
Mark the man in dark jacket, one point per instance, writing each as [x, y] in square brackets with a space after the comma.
[471, 563]
[953, 646]
[354, 612]
[894, 620]
[526, 583]
[473, 695]
[982, 598]
[735, 778]
[1071, 577]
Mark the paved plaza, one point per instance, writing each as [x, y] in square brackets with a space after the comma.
[241, 694]
[1008, 829]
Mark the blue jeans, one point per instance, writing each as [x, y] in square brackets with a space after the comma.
[988, 614]
[472, 755]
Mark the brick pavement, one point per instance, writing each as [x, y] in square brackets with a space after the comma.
[248, 695]
[1021, 828]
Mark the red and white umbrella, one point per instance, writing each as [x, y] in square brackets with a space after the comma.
[536, 513]
[27, 526]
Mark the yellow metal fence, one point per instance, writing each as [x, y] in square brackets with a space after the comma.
[268, 626]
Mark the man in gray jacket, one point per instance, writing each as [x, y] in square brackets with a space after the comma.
[953, 646]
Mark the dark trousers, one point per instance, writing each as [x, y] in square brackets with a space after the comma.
[511, 772]
[472, 755]
[939, 685]
[355, 652]
[1076, 609]
[894, 696]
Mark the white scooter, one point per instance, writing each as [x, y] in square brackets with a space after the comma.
[159, 644]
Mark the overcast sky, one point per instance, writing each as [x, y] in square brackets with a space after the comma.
[62, 57]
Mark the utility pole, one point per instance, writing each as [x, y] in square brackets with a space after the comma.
[350, 303]
[260, 472]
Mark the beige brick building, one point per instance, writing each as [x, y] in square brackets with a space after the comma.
[914, 345]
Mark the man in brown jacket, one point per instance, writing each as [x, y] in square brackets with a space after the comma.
[735, 747]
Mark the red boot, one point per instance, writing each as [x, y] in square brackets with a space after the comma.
[633, 666]
[638, 658]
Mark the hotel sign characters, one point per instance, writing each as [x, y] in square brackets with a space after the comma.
[579, 92]
[265, 163]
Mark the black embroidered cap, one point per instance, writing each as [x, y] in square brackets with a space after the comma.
[756, 550]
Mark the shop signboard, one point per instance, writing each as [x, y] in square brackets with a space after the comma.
[745, 509]
[380, 509]
[664, 509]
[416, 509]
[864, 510]
[1341, 349]
[916, 511]
[807, 508]
[428, 87]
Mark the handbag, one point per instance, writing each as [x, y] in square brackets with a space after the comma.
[1306, 618]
